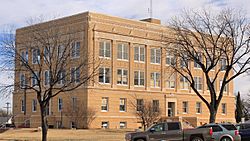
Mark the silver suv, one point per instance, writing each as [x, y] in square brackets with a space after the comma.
[223, 131]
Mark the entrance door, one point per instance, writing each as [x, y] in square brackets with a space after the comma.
[171, 109]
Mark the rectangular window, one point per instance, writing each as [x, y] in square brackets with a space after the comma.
[185, 107]
[155, 55]
[138, 78]
[198, 107]
[170, 59]
[34, 105]
[139, 104]
[60, 104]
[75, 75]
[105, 124]
[61, 51]
[75, 49]
[104, 106]
[198, 56]
[171, 82]
[155, 79]
[35, 56]
[46, 54]
[46, 77]
[104, 75]
[139, 53]
[223, 108]
[123, 125]
[223, 64]
[22, 105]
[23, 81]
[156, 106]
[198, 83]
[74, 103]
[184, 61]
[24, 56]
[73, 124]
[34, 78]
[122, 76]
[122, 51]
[183, 83]
[61, 77]
[225, 88]
[122, 104]
[105, 49]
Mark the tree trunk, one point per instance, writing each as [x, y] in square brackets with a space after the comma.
[44, 124]
[213, 114]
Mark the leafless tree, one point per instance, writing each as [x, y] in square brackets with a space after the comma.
[80, 115]
[210, 40]
[146, 111]
[48, 59]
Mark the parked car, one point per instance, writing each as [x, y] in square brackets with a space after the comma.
[244, 130]
[167, 131]
[223, 132]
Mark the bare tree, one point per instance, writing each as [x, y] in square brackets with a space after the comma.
[210, 40]
[147, 112]
[49, 59]
[80, 115]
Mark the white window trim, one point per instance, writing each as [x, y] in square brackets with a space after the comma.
[184, 82]
[107, 104]
[59, 104]
[125, 105]
[45, 78]
[139, 78]
[155, 56]
[104, 76]
[199, 107]
[139, 54]
[122, 70]
[197, 84]
[123, 48]
[155, 80]
[105, 46]
[186, 108]
[75, 57]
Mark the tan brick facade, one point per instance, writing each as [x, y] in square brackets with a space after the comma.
[95, 28]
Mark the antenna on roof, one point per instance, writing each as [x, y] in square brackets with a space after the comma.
[150, 10]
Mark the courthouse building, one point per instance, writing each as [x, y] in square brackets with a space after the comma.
[134, 69]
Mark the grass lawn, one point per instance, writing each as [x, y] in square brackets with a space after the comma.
[32, 134]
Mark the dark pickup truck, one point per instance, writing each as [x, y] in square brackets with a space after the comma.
[170, 131]
[244, 130]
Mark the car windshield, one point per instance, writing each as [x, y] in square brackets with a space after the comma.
[229, 127]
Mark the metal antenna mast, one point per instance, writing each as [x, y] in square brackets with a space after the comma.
[151, 9]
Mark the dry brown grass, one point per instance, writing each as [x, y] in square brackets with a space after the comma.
[31, 134]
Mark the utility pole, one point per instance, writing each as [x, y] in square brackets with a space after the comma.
[151, 9]
[7, 107]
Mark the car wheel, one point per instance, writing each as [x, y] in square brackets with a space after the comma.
[226, 139]
[197, 139]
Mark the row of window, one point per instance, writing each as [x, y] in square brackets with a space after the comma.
[198, 108]
[61, 79]
[155, 55]
[123, 105]
[155, 79]
[61, 50]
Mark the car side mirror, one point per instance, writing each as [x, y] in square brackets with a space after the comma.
[152, 130]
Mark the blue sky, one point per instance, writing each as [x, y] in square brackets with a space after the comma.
[17, 12]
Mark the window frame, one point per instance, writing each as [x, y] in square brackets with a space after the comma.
[122, 76]
[155, 80]
[125, 105]
[124, 47]
[105, 49]
[154, 56]
[185, 107]
[140, 54]
[105, 75]
[106, 104]
[139, 78]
